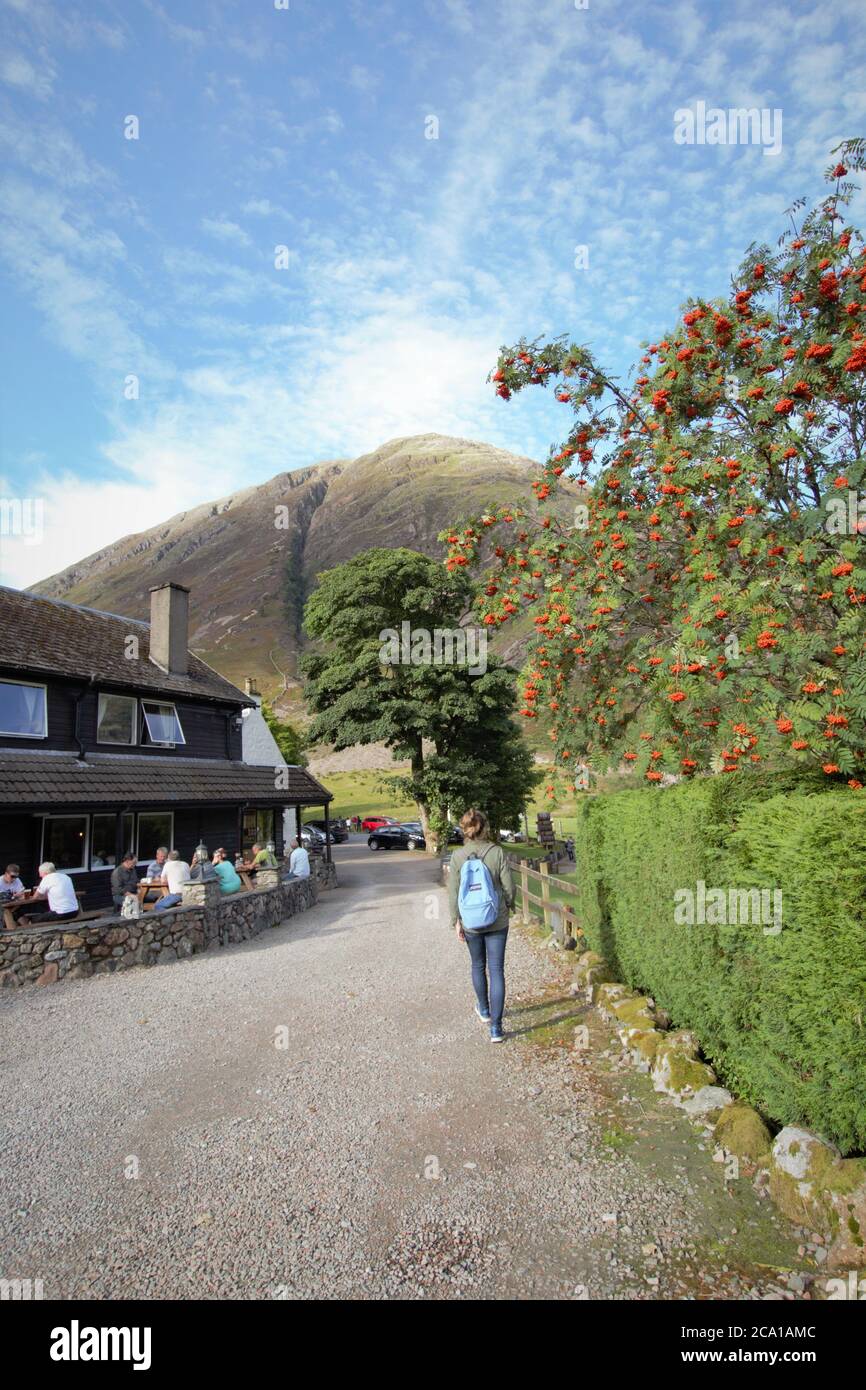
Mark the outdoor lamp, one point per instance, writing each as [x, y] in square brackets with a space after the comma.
[201, 850]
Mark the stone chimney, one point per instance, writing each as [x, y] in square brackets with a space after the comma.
[250, 686]
[169, 627]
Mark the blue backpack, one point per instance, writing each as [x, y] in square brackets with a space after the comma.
[477, 899]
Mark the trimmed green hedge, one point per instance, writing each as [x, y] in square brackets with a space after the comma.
[781, 1015]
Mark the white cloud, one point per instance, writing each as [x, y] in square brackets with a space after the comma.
[17, 71]
[224, 230]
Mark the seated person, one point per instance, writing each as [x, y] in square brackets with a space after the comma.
[10, 883]
[156, 866]
[175, 874]
[299, 862]
[124, 880]
[226, 873]
[262, 859]
[59, 889]
[201, 870]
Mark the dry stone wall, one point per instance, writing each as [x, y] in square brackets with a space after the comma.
[74, 950]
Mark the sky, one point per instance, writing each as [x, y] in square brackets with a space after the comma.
[251, 235]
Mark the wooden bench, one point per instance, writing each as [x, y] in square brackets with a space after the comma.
[11, 910]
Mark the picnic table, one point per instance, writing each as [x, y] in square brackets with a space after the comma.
[151, 886]
[12, 909]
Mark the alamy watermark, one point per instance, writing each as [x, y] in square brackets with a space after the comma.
[736, 126]
[728, 907]
[450, 646]
[845, 515]
[24, 517]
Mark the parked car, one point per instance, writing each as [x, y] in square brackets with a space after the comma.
[395, 837]
[339, 829]
[407, 835]
[511, 837]
[376, 822]
[312, 839]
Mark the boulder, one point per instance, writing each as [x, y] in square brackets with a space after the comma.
[635, 1012]
[816, 1188]
[611, 994]
[676, 1070]
[741, 1131]
[641, 1044]
[708, 1101]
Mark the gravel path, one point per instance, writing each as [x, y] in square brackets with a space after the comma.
[318, 1113]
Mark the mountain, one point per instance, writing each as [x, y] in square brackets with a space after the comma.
[251, 559]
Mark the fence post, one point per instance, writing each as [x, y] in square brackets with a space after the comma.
[545, 891]
[524, 891]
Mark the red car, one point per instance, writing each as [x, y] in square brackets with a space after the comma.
[375, 822]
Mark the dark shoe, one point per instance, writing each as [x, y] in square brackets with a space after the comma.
[496, 1033]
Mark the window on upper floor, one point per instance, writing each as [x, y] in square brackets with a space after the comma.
[161, 724]
[116, 719]
[23, 710]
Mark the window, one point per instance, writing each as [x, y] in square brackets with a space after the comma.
[258, 828]
[115, 722]
[161, 723]
[102, 831]
[155, 828]
[22, 710]
[64, 842]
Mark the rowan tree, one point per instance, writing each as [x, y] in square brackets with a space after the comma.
[706, 609]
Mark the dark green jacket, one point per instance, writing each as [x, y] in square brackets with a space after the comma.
[497, 862]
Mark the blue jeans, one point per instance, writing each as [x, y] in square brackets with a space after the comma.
[170, 900]
[487, 949]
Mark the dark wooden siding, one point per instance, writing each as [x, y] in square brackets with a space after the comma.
[204, 725]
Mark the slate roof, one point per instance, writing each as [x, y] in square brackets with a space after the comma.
[44, 779]
[53, 637]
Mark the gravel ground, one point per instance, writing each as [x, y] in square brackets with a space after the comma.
[318, 1113]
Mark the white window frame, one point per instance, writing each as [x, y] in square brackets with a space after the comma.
[69, 815]
[153, 742]
[151, 811]
[113, 742]
[31, 685]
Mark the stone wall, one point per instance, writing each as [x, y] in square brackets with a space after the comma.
[74, 950]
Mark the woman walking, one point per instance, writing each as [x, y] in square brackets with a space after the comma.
[481, 895]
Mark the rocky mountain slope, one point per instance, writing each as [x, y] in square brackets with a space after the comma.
[251, 559]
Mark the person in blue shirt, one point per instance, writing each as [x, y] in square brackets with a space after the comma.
[226, 873]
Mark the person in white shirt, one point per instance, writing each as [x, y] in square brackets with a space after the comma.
[10, 882]
[60, 892]
[299, 862]
[175, 871]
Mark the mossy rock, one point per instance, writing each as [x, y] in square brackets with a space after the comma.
[642, 1044]
[635, 1012]
[803, 1156]
[683, 1041]
[610, 995]
[596, 976]
[741, 1131]
[798, 1201]
[679, 1075]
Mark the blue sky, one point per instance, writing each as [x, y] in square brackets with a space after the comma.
[410, 259]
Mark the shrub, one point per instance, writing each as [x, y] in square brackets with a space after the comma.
[782, 1017]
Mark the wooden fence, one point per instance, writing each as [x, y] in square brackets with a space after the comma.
[559, 917]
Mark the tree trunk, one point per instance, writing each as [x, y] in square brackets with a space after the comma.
[417, 764]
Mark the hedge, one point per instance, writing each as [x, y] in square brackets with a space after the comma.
[781, 1015]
